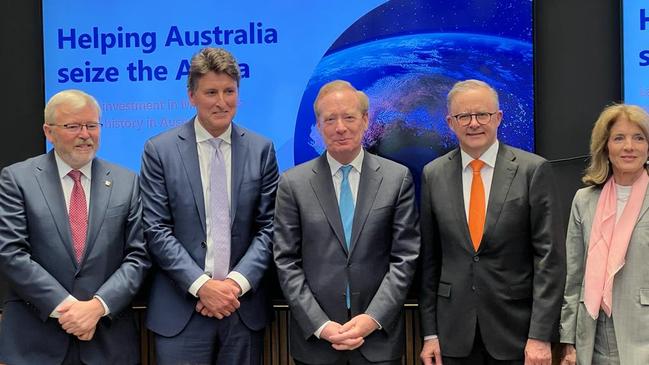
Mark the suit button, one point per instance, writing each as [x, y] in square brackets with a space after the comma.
[476, 258]
[203, 244]
[473, 287]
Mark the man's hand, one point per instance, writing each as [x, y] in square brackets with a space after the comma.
[568, 354]
[218, 298]
[80, 317]
[88, 335]
[351, 334]
[431, 353]
[333, 329]
[537, 352]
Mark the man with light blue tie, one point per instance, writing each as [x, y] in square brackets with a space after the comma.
[208, 191]
[346, 242]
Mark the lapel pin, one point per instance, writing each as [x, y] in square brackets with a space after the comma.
[108, 183]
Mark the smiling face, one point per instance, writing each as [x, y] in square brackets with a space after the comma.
[75, 148]
[215, 98]
[341, 123]
[474, 138]
[628, 150]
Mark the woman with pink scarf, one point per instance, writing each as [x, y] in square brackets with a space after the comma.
[605, 313]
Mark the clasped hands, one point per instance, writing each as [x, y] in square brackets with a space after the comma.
[218, 298]
[350, 335]
[79, 318]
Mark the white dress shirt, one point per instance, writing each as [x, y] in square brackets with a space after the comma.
[205, 153]
[67, 183]
[487, 173]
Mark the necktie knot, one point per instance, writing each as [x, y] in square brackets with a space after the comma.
[215, 142]
[476, 166]
[345, 169]
[75, 175]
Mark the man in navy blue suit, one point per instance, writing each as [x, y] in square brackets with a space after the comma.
[208, 191]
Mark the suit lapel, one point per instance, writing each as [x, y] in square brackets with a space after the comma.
[47, 176]
[368, 187]
[323, 187]
[503, 175]
[100, 189]
[189, 156]
[455, 191]
[645, 205]
[239, 156]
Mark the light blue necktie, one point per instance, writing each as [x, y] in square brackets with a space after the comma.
[346, 206]
[219, 213]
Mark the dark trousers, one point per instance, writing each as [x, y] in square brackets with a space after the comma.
[479, 355]
[73, 356]
[210, 341]
[355, 358]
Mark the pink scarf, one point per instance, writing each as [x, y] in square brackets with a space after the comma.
[608, 244]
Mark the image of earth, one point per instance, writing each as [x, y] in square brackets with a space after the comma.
[407, 78]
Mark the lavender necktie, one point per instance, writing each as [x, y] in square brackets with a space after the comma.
[219, 213]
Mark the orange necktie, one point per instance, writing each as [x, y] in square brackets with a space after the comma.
[476, 205]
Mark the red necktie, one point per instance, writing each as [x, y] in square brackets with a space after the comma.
[78, 215]
[476, 205]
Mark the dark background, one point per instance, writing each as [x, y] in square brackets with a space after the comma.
[577, 73]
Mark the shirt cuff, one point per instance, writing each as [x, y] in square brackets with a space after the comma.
[103, 304]
[377, 322]
[241, 280]
[56, 314]
[193, 289]
[431, 337]
[319, 330]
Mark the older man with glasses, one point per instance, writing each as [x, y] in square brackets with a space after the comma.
[493, 260]
[71, 247]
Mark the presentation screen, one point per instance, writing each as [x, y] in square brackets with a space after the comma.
[635, 55]
[133, 56]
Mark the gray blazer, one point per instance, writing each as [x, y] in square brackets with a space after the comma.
[37, 259]
[630, 288]
[512, 286]
[314, 263]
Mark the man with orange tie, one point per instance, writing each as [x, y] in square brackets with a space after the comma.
[493, 256]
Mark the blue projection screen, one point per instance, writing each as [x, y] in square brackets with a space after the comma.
[635, 39]
[133, 56]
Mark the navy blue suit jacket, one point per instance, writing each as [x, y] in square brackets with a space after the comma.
[37, 259]
[174, 223]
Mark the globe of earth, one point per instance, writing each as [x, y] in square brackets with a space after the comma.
[407, 79]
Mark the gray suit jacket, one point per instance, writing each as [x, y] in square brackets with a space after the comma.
[314, 263]
[513, 285]
[37, 258]
[174, 223]
[630, 288]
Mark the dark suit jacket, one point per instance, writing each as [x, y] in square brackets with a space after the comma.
[174, 223]
[37, 258]
[513, 285]
[314, 264]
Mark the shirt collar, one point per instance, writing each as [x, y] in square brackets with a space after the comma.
[357, 162]
[203, 135]
[488, 157]
[64, 168]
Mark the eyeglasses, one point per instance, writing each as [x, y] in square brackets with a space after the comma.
[465, 118]
[77, 127]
